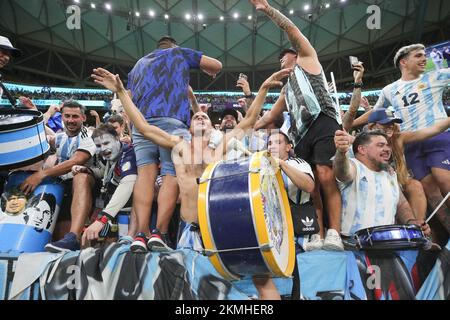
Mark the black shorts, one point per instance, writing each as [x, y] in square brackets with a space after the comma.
[317, 146]
[64, 212]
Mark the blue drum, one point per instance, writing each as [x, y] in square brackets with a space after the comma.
[27, 221]
[390, 237]
[22, 138]
[245, 219]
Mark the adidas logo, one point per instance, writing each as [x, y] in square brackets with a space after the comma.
[307, 222]
[443, 162]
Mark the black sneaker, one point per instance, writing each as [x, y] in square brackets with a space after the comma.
[156, 242]
[139, 244]
[68, 243]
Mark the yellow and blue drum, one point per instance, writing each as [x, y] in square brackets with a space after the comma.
[245, 218]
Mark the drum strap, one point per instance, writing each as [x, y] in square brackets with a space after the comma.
[264, 247]
[201, 180]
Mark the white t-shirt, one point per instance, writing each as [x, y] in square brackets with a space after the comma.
[294, 193]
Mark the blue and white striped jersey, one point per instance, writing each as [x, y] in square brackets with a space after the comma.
[369, 200]
[417, 102]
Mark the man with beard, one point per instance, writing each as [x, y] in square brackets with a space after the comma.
[73, 147]
[371, 195]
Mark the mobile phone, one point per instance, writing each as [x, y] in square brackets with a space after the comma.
[353, 60]
[243, 76]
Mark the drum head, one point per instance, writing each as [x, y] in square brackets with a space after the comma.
[272, 215]
[18, 119]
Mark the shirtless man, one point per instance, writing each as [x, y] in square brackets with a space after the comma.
[192, 158]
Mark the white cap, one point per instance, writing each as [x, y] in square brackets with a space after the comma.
[5, 44]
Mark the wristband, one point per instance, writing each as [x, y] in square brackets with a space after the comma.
[357, 85]
[103, 219]
[250, 96]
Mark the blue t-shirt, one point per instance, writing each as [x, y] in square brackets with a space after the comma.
[159, 82]
[126, 164]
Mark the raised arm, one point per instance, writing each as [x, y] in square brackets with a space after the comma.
[210, 66]
[343, 168]
[422, 134]
[194, 103]
[350, 115]
[271, 116]
[252, 114]
[298, 41]
[113, 83]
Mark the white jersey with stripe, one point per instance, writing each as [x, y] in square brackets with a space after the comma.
[66, 146]
[370, 200]
[417, 102]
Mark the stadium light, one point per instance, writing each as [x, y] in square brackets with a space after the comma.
[200, 16]
[166, 16]
[306, 7]
[221, 18]
[93, 6]
[291, 11]
[236, 15]
[151, 13]
[327, 5]
[187, 16]
[249, 17]
[108, 6]
[138, 14]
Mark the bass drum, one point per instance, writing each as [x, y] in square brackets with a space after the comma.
[245, 219]
[22, 138]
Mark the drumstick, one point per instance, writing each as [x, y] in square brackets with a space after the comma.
[8, 95]
[437, 208]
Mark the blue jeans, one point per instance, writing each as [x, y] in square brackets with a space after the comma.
[148, 152]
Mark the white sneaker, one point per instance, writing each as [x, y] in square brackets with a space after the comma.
[314, 243]
[333, 241]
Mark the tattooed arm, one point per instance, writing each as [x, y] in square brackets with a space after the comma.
[344, 169]
[299, 42]
[349, 117]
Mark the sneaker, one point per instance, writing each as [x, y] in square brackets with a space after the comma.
[68, 243]
[156, 242]
[333, 241]
[139, 244]
[314, 243]
[125, 240]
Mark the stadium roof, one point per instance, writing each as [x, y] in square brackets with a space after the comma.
[116, 38]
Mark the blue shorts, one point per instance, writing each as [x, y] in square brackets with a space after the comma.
[148, 152]
[431, 153]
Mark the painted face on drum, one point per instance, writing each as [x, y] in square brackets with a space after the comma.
[41, 215]
[15, 204]
[279, 146]
[108, 147]
[5, 57]
[73, 119]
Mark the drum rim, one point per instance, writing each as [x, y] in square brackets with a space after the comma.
[258, 213]
[38, 117]
[387, 227]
